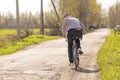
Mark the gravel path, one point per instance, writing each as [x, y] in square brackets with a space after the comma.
[49, 60]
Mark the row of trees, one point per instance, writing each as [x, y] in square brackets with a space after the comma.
[114, 15]
[81, 9]
[26, 19]
[88, 11]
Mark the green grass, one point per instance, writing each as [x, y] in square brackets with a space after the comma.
[7, 36]
[7, 31]
[15, 46]
[9, 43]
[109, 58]
[37, 31]
[14, 32]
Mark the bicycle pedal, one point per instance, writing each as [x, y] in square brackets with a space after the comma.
[80, 51]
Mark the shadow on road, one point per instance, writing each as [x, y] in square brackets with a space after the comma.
[83, 70]
[87, 70]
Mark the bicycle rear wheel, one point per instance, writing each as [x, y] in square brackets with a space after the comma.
[76, 63]
[76, 56]
[75, 53]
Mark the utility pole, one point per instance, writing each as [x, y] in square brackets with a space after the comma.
[55, 10]
[17, 20]
[41, 19]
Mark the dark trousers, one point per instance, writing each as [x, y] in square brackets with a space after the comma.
[73, 33]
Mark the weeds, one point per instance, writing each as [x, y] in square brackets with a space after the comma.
[109, 58]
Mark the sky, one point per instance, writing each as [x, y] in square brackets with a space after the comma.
[34, 5]
[105, 4]
[24, 5]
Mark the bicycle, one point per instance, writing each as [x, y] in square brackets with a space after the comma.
[75, 52]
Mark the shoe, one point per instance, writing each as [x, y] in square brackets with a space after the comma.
[71, 64]
[80, 51]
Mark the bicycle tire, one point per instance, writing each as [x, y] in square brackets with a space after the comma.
[76, 63]
[76, 55]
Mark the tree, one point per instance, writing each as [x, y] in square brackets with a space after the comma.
[95, 12]
[114, 18]
[80, 9]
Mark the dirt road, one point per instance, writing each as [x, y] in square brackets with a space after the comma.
[49, 61]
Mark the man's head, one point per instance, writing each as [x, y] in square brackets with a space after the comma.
[65, 15]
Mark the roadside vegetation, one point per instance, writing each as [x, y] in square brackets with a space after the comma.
[109, 58]
[10, 44]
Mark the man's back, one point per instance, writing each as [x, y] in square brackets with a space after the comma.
[72, 23]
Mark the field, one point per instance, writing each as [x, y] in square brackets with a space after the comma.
[109, 58]
[9, 43]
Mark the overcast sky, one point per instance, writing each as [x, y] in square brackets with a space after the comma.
[107, 3]
[24, 5]
[34, 5]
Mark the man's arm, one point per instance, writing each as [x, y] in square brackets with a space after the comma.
[83, 28]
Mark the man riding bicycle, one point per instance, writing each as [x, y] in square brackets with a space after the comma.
[72, 27]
